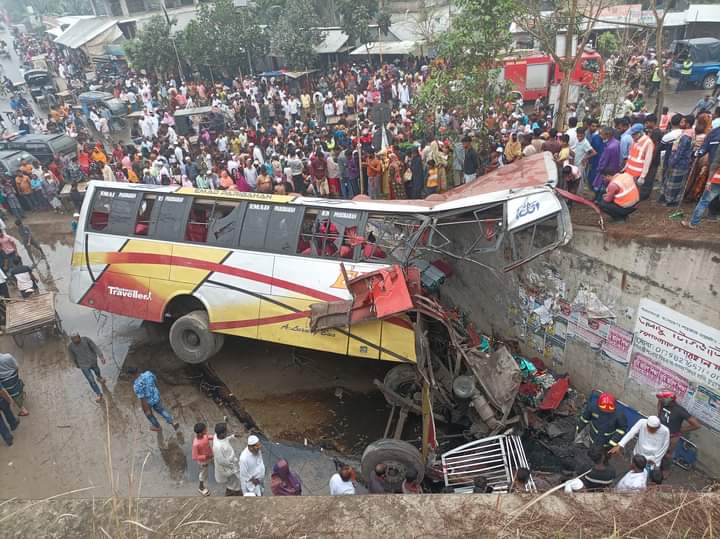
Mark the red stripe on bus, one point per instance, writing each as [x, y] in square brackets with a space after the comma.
[235, 324]
[153, 258]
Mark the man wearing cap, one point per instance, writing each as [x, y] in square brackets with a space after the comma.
[606, 424]
[640, 155]
[653, 440]
[252, 468]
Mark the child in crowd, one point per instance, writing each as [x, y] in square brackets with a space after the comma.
[202, 454]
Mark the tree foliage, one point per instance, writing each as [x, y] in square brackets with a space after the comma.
[608, 44]
[467, 79]
[356, 18]
[152, 48]
[221, 36]
[295, 33]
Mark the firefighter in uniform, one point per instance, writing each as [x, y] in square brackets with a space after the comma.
[621, 197]
[685, 72]
[641, 154]
[606, 424]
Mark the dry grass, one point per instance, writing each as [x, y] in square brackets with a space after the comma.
[655, 513]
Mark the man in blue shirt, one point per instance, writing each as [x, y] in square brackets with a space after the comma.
[596, 141]
[145, 388]
[623, 128]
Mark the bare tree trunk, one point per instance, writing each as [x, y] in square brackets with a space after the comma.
[659, 26]
[566, 67]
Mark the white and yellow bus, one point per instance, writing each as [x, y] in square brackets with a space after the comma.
[218, 263]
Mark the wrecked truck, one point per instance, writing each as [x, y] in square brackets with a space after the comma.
[462, 380]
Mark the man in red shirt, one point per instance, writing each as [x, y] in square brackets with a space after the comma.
[318, 169]
[202, 454]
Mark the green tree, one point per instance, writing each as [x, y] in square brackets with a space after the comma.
[468, 79]
[295, 33]
[152, 49]
[223, 38]
[356, 19]
[608, 43]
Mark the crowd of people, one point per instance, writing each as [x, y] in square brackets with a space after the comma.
[348, 131]
[353, 130]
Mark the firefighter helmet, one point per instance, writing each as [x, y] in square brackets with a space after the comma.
[606, 402]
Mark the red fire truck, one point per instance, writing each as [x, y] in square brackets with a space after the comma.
[533, 72]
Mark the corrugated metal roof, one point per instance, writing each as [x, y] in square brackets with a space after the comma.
[332, 42]
[84, 30]
[386, 47]
[702, 13]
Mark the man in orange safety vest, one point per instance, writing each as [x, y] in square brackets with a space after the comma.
[621, 197]
[641, 154]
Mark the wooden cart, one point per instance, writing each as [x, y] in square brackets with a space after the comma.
[30, 316]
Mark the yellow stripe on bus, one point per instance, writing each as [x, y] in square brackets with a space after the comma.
[235, 195]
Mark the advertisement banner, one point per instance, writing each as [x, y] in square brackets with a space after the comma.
[678, 343]
[647, 372]
[617, 345]
[705, 405]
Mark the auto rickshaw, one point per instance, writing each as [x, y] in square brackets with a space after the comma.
[41, 86]
[118, 108]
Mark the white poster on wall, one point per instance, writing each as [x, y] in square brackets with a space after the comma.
[679, 343]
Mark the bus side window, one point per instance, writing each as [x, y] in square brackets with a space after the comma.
[113, 212]
[168, 220]
[100, 212]
[331, 234]
[283, 229]
[225, 224]
[197, 224]
[255, 225]
[145, 210]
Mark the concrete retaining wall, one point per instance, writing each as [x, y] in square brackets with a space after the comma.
[621, 269]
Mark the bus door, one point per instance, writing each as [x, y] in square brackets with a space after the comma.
[228, 281]
[118, 286]
[307, 271]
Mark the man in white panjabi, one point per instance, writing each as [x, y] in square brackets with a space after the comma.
[225, 461]
[252, 468]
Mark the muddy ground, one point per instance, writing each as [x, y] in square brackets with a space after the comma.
[62, 445]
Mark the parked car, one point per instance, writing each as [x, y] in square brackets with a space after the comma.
[10, 161]
[705, 54]
[43, 147]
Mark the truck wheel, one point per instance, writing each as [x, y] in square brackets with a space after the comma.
[191, 340]
[404, 380]
[708, 82]
[398, 457]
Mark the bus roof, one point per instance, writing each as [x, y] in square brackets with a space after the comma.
[530, 174]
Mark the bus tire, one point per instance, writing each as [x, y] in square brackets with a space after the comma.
[398, 456]
[219, 341]
[191, 340]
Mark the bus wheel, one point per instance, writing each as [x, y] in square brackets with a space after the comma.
[219, 341]
[397, 456]
[404, 380]
[191, 340]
